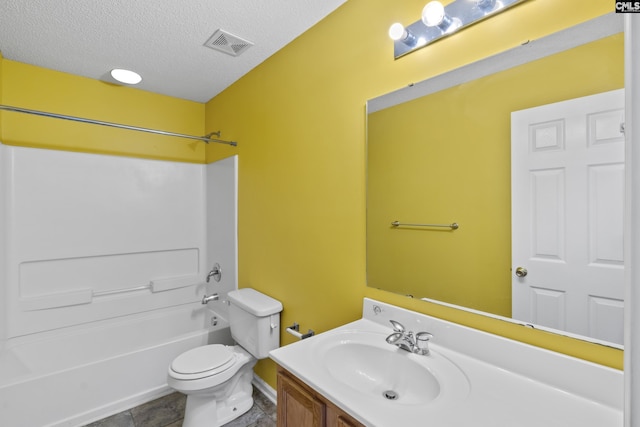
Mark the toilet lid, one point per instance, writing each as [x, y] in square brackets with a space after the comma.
[203, 359]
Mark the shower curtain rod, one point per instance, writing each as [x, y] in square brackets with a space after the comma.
[207, 138]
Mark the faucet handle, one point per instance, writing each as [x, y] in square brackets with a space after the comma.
[216, 273]
[397, 326]
[422, 343]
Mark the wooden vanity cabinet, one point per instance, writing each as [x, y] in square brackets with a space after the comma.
[301, 406]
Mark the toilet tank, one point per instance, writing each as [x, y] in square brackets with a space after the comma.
[254, 319]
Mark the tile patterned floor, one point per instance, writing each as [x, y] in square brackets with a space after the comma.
[168, 411]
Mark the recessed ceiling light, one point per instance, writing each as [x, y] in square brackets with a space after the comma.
[126, 76]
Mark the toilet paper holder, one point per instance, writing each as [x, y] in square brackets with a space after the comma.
[295, 331]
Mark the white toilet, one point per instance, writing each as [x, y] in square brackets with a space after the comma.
[217, 378]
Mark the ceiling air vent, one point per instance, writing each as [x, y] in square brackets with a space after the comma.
[228, 43]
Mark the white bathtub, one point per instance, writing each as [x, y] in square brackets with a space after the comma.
[74, 377]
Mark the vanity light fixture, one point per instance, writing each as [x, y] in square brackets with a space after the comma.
[434, 15]
[486, 5]
[438, 21]
[126, 76]
[398, 32]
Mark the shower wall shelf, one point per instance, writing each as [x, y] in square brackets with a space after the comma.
[206, 138]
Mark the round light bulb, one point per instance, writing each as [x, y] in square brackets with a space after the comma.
[126, 76]
[433, 14]
[396, 31]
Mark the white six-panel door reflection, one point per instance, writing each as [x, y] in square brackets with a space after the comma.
[567, 215]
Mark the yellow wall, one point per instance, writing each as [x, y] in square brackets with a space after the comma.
[1, 68]
[299, 119]
[2, 236]
[36, 88]
[446, 157]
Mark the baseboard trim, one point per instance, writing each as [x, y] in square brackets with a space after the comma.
[265, 388]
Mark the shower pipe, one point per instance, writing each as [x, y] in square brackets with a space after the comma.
[207, 138]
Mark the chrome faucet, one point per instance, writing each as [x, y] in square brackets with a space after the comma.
[413, 343]
[207, 298]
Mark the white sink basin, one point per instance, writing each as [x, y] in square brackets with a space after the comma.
[366, 363]
[470, 378]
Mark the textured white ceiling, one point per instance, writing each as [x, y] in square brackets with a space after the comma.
[160, 39]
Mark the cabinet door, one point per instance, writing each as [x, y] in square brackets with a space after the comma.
[297, 407]
[336, 417]
[345, 422]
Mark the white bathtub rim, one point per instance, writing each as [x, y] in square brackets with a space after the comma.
[35, 375]
[75, 411]
[76, 333]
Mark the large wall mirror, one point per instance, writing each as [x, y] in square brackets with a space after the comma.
[440, 152]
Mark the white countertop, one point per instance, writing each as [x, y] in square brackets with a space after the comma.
[511, 384]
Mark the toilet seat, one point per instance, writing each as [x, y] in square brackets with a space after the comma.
[201, 362]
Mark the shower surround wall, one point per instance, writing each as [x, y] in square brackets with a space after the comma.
[104, 260]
